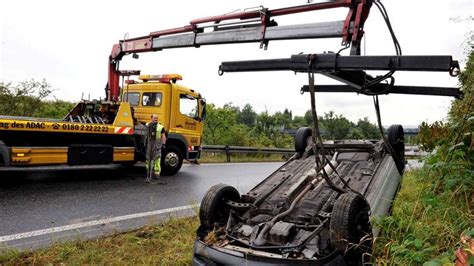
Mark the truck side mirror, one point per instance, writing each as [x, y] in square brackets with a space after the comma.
[203, 115]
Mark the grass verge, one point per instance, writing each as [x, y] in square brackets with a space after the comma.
[169, 243]
[425, 226]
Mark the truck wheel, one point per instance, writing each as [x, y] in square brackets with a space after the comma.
[396, 138]
[350, 229]
[4, 154]
[171, 160]
[213, 206]
[301, 138]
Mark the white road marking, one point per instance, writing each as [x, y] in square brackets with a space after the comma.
[110, 166]
[231, 164]
[94, 223]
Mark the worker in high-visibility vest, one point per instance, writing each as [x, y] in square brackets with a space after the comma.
[156, 138]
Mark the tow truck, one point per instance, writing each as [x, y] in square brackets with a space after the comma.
[104, 132]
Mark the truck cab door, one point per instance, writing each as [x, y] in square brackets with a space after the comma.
[185, 116]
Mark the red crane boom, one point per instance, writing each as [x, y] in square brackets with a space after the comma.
[252, 26]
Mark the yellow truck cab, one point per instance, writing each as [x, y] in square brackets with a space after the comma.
[180, 110]
[105, 132]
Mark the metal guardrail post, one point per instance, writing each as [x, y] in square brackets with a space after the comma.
[227, 153]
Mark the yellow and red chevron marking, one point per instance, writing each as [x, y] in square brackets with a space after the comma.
[124, 130]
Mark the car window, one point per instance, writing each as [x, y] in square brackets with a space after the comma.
[132, 97]
[152, 99]
[188, 105]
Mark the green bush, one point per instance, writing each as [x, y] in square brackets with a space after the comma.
[435, 205]
[31, 98]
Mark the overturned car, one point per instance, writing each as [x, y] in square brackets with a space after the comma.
[317, 208]
[296, 216]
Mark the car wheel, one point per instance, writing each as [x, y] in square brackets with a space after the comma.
[171, 160]
[213, 207]
[396, 138]
[301, 138]
[350, 229]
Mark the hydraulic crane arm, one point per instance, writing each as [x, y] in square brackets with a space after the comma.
[351, 70]
[249, 26]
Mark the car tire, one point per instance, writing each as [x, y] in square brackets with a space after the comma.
[213, 207]
[301, 138]
[171, 160]
[349, 227]
[396, 138]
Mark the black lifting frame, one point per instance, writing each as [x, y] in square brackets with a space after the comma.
[351, 70]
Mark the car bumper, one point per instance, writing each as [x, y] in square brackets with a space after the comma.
[206, 255]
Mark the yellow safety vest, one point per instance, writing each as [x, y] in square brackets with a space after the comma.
[159, 128]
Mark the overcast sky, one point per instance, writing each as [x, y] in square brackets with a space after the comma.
[68, 44]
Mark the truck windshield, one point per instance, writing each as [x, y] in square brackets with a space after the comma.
[188, 105]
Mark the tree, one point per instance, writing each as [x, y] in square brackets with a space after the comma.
[283, 119]
[218, 121]
[458, 130]
[266, 124]
[233, 108]
[335, 126]
[262, 140]
[367, 129]
[24, 98]
[462, 111]
[221, 127]
[356, 134]
[308, 117]
[29, 98]
[230, 125]
[247, 116]
[298, 121]
[238, 135]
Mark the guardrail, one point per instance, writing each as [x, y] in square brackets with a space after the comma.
[229, 150]
[415, 151]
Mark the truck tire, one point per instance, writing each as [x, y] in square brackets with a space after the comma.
[349, 227]
[213, 206]
[301, 138]
[4, 154]
[171, 160]
[396, 138]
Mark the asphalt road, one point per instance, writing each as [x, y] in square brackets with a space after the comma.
[38, 208]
